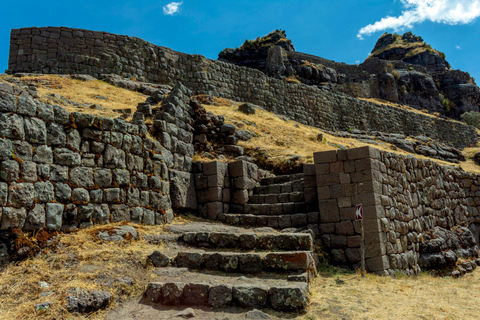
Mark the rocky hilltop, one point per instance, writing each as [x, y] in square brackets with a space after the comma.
[401, 69]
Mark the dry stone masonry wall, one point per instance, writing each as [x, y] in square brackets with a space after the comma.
[62, 170]
[64, 50]
[417, 214]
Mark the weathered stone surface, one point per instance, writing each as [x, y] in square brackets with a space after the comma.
[289, 298]
[83, 302]
[249, 296]
[13, 217]
[54, 216]
[182, 190]
[220, 295]
[82, 177]
[21, 194]
[67, 157]
[158, 259]
[103, 177]
[154, 292]
[195, 294]
[44, 191]
[35, 130]
[10, 170]
[36, 218]
[173, 293]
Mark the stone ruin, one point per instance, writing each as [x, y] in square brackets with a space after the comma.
[63, 171]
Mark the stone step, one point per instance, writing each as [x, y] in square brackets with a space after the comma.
[297, 196]
[296, 262]
[285, 187]
[220, 292]
[268, 209]
[250, 241]
[281, 179]
[300, 220]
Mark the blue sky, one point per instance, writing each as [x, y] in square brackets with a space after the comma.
[329, 29]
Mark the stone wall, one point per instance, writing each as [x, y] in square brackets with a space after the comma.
[224, 187]
[406, 202]
[62, 171]
[64, 50]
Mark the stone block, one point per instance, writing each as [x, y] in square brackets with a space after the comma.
[173, 293]
[82, 177]
[249, 296]
[322, 168]
[352, 255]
[36, 218]
[120, 212]
[182, 190]
[338, 240]
[29, 171]
[44, 191]
[219, 295]
[344, 228]
[214, 209]
[35, 130]
[325, 156]
[212, 194]
[344, 202]
[58, 173]
[363, 152]
[13, 217]
[361, 176]
[328, 179]
[377, 263]
[195, 294]
[292, 298]
[101, 213]
[328, 211]
[21, 194]
[214, 168]
[154, 292]
[238, 169]
[336, 167]
[103, 177]
[354, 241]
[345, 178]
[239, 196]
[10, 170]
[54, 216]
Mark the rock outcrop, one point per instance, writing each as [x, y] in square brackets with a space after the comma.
[401, 69]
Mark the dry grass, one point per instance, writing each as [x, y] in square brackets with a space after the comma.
[282, 139]
[348, 296]
[80, 261]
[85, 92]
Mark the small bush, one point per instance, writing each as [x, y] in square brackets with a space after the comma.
[472, 118]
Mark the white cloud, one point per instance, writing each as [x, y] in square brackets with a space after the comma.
[417, 11]
[172, 8]
[458, 47]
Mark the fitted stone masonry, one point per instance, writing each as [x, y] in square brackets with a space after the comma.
[71, 51]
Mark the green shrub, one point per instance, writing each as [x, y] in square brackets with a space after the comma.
[472, 118]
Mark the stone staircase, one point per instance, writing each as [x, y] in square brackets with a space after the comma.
[279, 202]
[235, 267]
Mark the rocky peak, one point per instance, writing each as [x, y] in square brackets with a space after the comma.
[410, 49]
[254, 53]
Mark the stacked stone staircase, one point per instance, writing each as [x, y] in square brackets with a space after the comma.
[246, 268]
[279, 202]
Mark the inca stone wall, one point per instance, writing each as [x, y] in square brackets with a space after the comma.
[406, 202]
[64, 50]
[63, 171]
